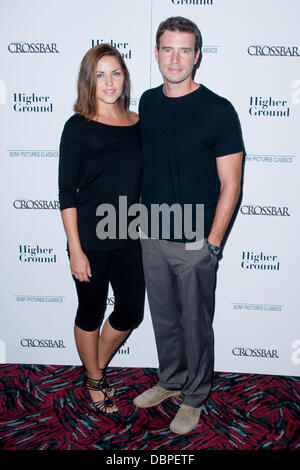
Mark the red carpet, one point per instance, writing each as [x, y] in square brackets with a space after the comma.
[46, 408]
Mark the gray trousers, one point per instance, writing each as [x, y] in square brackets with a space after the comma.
[180, 288]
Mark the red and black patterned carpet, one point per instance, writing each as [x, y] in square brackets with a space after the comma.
[46, 408]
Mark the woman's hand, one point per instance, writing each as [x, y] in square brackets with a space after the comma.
[80, 266]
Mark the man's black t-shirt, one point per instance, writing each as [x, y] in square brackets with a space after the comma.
[181, 139]
[98, 163]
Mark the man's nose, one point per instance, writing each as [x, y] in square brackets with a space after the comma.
[175, 56]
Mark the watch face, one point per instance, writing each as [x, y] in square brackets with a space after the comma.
[215, 250]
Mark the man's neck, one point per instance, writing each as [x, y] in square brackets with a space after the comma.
[175, 90]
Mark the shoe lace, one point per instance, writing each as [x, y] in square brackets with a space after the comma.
[189, 409]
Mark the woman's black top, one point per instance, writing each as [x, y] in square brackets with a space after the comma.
[98, 163]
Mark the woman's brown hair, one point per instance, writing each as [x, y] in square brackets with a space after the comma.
[86, 103]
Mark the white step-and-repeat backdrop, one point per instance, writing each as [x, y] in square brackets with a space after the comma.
[251, 55]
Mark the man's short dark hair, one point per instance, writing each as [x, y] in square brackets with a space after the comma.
[178, 23]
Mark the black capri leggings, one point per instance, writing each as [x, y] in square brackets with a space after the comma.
[122, 267]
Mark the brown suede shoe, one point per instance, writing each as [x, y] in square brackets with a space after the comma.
[154, 396]
[186, 419]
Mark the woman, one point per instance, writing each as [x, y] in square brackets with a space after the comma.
[100, 160]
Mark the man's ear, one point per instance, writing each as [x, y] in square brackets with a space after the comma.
[197, 56]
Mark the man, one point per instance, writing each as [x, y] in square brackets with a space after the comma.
[193, 153]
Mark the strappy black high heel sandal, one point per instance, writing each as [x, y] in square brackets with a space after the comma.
[104, 405]
[110, 391]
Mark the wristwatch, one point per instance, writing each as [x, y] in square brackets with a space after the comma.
[215, 250]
